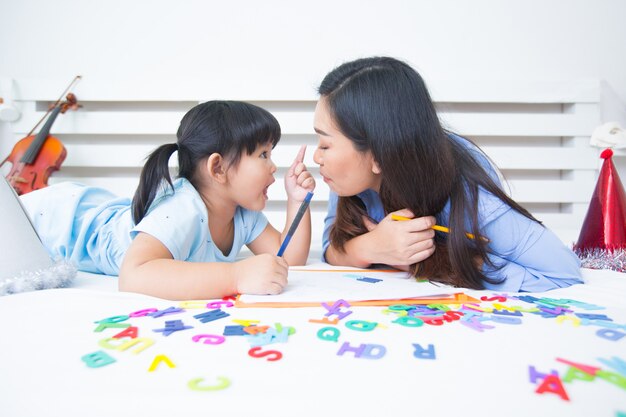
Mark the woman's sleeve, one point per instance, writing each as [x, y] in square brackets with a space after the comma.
[328, 222]
[530, 256]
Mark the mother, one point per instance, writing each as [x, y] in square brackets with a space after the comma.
[383, 151]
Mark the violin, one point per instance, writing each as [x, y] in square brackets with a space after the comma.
[35, 157]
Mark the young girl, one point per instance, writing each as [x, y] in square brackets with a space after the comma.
[205, 216]
[384, 154]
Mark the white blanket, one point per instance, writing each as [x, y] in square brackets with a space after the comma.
[439, 368]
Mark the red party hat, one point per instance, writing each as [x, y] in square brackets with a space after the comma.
[602, 240]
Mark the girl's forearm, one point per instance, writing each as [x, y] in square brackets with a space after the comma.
[179, 280]
[297, 251]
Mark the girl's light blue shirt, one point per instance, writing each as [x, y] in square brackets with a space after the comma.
[532, 257]
[93, 228]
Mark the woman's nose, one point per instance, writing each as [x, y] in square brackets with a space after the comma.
[317, 156]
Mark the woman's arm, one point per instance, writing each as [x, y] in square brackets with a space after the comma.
[390, 242]
[530, 256]
[358, 252]
[149, 268]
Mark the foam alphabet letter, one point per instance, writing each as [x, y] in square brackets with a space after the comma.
[422, 353]
[591, 370]
[328, 333]
[107, 325]
[234, 331]
[373, 352]
[97, 359]
[114, 319]
[273, 355]
[361, 325]
[209, 339]
[131, 332]
[552, 384]
[409, 321]
[347, 348]
[218, 304]
[196, 384]
[142, 313]
[190, 304]
[575, 373]
[609, 334]
[211, 315]
[106, 343]
[506, 319]
[616, 363]
[157, 361]
[535, 375]
[140, 340]
[169, 310]
[613, 378]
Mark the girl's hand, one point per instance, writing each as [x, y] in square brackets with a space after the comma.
[299, 181]
[261, 274]
[402, 243]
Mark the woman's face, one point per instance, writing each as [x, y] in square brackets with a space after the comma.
[346, 170]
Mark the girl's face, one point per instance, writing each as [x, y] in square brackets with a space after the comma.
[346, 170]
[250, 179]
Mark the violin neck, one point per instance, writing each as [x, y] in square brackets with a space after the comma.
[33, 150]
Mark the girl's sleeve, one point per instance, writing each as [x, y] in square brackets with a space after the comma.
[328, 222]
[178, 222]
[254, 223]
[532, 258]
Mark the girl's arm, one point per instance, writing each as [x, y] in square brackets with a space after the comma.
[149, 268]
[270, 239]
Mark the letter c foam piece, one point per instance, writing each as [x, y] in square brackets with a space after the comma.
[196, 384]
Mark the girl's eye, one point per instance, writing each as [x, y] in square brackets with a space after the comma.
[264, 155]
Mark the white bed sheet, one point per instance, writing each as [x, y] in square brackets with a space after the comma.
[45, 334]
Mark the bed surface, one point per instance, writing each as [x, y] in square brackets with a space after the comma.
[476, 367]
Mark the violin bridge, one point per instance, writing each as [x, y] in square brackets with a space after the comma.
[14, 179]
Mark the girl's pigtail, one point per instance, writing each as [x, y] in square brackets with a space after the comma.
[153, 173]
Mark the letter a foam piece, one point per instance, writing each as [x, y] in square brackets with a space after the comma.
[552, 383]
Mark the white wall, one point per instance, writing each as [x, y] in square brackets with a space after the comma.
[290, 45]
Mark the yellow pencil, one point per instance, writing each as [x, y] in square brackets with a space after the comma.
[435, 227]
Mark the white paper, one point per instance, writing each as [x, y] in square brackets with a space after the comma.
[317, 284]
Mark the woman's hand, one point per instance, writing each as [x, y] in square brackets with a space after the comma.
[299, 181]
[401, 243]
[261, 274]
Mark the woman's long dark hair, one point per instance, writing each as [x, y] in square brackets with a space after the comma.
[382, 105]
[225, 127]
